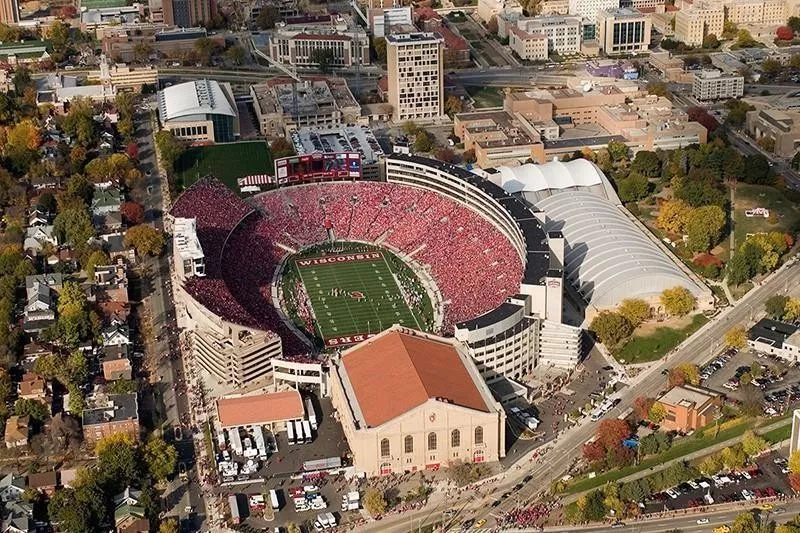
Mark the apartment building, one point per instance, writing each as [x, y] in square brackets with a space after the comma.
[119, 413]
[188, 13]
[294, 42]
[757, 11]
[415, 72]
[563, 33]
[588, 9]
[528, 46]
[715, 85]
[623, 31]
[694, 23]
[554, 7]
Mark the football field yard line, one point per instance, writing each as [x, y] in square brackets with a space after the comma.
[400, 289]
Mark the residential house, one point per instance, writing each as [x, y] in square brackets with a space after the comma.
[68, 476]
[17, 431]
[116, 365]
[31, 352]
[114, 244]
[40, 308]
[38, 216]
[37, 237]
[119, 413]
[18, 519]
[129, 516]
[45, 182]
[44, 482]
[11, 488]
[689, 408]
[117, 335]
[110, 221]
[107, 197]
[33, 387]
[111, 292]
[54, 281]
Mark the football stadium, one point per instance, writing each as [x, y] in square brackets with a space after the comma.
[317, 266]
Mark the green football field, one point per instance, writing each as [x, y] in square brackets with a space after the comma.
[353, 297]
[227, 162]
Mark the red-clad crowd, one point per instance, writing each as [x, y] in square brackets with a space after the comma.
[474, 265]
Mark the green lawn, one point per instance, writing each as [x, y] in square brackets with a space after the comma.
[99, 4]
[751, 196]
[779, 434]
[227, 162]
[654, 346]
[486, 96]
[354, 297]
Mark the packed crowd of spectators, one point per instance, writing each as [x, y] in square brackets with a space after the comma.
[473, 264]
[528, 517]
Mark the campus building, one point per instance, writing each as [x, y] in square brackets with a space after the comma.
[757, 11]
[563, 34]
[694, 23]
[188, 13]
[689, 408]
[775, 338]
[199, 111]
[716, 85]
[187, 254]
[782, 127]
[416, 70]
[439, 412]
[283, 105]
[623, 31]
[296, 41]
[588, 9]
[9, 11]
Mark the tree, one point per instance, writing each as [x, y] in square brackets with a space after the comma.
[204, 48]
[710, 465]
[142, 51]
[684, 373]
[592, 506]
[95, 259]
[161, 458]
[79, 121]
[423, 142]
[642, 404]
[710, 41]
[698, 114]
[59, 36]
[146, 239]
[374, 502]
[677, 301]
[672, 216]
[736, 337]
[611, 432]
[635, 310]
[379, 44]
[633, 188]
[170, 150]
[77, 403]
[658, 88]
[770, 247]
[410, 127]
[77, 368]
[236, 54]
[281, 147]
[784, 33]
[704, 227]
[792, 311]
[132, 213]
[74, 227]
[744, 39]
[611, 327]
[117, 462]
[647, 163]
[291, 527]
[657, 413]
[594, 452]
[767, 144]
[775, 306]
[170, 525]
[468, 156]
[33, 408]
[794, 462]
[771, 66]
[733, 457]
[752, 444]
[452, 105]
[25, 135]
[78, 509]
[323, 57]
[49, 366]
[757, 170]
[618, 151]
[446, 154]
[268, 17]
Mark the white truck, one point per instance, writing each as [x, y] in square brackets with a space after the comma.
[351, 501]
[312, 415]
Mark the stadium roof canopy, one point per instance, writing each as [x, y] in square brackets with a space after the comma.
[607, 257]
[194, 99]
[535, 182]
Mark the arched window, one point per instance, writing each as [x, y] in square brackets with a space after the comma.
[455, 438]
[385, 448]
[478, 435]
[409, 444]
[431, 441]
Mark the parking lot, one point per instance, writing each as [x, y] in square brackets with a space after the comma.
[763, 480]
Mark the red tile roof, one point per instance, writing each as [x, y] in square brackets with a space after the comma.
[451, 40]
[426, 13]
[259, 409]
[396, 371]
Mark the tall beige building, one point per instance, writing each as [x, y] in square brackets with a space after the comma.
[411, 401]
[623, 31]
[757, 11]
[9, 11]
[693, 24]
[414, 62]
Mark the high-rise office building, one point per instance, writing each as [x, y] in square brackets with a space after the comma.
[623, 31]
[188, 13]
[414, 62]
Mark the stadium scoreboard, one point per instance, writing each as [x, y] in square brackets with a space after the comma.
[317, 166]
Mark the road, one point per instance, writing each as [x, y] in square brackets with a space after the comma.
[172, 406]
[697, 349]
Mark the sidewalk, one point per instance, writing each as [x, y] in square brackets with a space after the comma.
[694, 455]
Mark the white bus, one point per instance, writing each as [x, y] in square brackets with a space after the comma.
[273, 500]
[306, 431]
[290, 433]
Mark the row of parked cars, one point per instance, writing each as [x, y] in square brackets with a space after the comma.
[777, 402]
[715, 365]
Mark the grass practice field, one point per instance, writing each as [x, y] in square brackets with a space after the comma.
[227, 162]
[353, 294]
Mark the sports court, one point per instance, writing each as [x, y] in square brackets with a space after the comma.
[353, 295]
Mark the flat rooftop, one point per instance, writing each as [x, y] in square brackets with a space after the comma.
[772, 332]
[342, 139]
[309, 97]
[491, 129]
[687, 395]
[119, 407]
